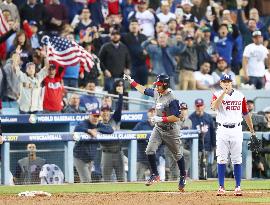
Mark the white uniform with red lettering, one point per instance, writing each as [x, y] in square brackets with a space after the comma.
[229, 131]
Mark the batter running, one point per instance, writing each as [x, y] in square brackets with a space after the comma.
[230, 105]
[166, 129]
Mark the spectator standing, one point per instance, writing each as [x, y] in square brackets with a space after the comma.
[58, 14]
[145, 18]
[203, 122]
[163, 56]
[28, 168]
[115, 60]
[34, 11]
[254, 58]
[89, 101]
[84, 152]
[112, 155]
[30, 98]
[12, 85]
[10, 6]
[73, 104]
[133, 40]
[53, 93]
[165, 15]
[188, 64]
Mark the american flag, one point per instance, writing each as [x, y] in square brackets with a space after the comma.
[67, 53]
[3, 24]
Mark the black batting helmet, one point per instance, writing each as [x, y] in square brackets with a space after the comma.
[164, 80]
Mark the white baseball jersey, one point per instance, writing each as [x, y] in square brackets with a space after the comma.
[232, 107]
[51, 174]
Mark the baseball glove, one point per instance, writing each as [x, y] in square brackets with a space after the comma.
[255, 144]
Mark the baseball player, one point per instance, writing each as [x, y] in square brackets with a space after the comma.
[166, 129]
[230, 106]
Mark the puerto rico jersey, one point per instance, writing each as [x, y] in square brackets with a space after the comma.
[232, 108]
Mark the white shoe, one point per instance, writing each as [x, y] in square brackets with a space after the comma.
[237, 191]
[221, 191]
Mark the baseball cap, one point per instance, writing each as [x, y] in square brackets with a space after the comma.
[226, 77]
[183, 105]
[106, 107]
[186, 2]
[52, 66]
[205, 29]
[151, 108]
[189, 37]
[257, 33]
[94, 112]
[141, 1]
[199, 102]
[33, 23]
[220, 59]
[250, 101]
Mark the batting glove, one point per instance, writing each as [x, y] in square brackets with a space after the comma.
[128, 78]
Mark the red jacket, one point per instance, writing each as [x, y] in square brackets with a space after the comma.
[53, 94]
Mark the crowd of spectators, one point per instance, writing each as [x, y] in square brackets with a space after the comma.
[192, 41]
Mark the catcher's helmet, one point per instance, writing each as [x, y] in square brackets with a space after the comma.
[164, 80]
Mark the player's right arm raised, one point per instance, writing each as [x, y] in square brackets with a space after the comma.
[134, 84]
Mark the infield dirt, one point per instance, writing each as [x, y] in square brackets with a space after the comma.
[131, 198]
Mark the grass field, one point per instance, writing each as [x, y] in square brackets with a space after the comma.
[192, 186]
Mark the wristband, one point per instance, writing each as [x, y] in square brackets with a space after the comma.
[165, 119]
[134, 83]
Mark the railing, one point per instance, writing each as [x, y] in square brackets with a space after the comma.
[68, 144]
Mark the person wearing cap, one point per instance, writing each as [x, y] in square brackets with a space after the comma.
[114, 59]
[112, 157]
[35, 36]
[85, 152]
[171, 166]
[133, 40]
[53, 93]
[231, 107]
[30, 97]
[222, 68]
[188, 64]
[204, 123]
[254, 61]
[165, 15]
[187, 9]
[166, 129]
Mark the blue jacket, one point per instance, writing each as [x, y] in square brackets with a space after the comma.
[155, 53]
[210, 136]
[86, 150]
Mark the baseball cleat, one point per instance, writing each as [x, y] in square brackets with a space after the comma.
[221, 191]
[237, 191]
[182, 183]
[153, 179]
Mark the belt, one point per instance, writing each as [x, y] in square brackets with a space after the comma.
[113, 152]
[166, 128]
[233, 125]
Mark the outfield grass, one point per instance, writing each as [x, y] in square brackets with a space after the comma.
[210, 185]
